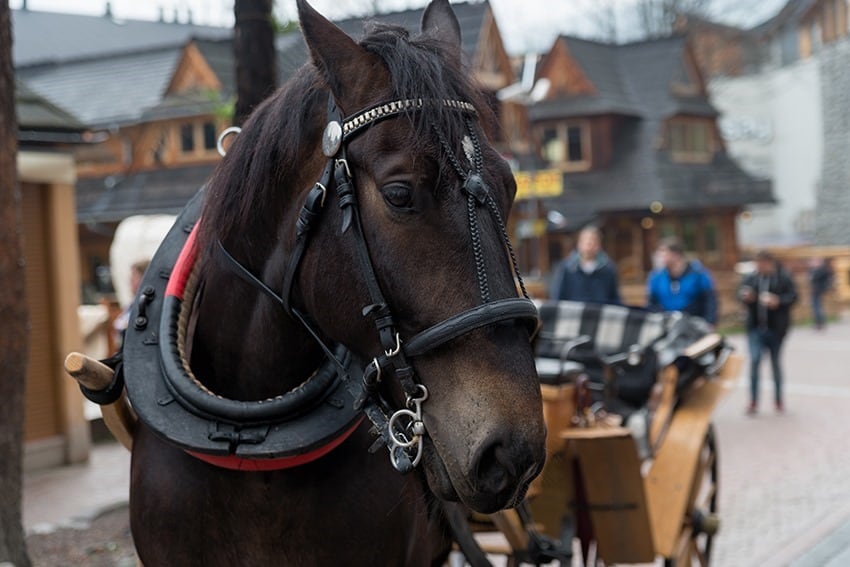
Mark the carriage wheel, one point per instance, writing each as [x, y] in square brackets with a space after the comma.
[701, 520]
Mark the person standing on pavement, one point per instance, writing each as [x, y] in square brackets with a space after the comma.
[587, 274]
[821, 277]
[679, 284]
[767, 294]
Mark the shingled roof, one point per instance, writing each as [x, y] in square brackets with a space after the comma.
[51, 37]
[36, 113]
[636, 81]
[161, 191]
[102, 91]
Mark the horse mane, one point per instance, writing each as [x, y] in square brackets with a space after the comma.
[261, 167]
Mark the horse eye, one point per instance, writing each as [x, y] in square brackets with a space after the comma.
[398, 196]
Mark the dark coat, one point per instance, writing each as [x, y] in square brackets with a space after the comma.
[574, 284]
[781, 284]
[821, 279]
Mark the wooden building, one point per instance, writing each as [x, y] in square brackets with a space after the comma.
[633, 140]
[799, 30]
[158, 94]
[55, 429]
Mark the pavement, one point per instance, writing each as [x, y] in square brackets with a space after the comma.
[784, 478]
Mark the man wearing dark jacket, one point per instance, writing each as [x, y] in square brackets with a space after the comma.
[587, 274]
[768, 294]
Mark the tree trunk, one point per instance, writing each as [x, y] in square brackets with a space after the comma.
[254, 51]
[13, 312]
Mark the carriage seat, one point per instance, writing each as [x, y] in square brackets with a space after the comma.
[558, 371]
[609, 330]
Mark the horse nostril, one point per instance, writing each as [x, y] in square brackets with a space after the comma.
[496, 470]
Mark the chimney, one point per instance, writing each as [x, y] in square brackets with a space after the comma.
[108, 13]
[161, 14]
[24, 5]
[176, 16]
[189, 16]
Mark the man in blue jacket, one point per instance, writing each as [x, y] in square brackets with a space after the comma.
[681, 285]
[587, 274]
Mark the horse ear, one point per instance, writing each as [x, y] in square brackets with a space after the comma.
[338, 57]
[440, 22]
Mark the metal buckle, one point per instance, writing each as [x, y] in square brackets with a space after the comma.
[324, 193]
[394, 351]
[406, 436]
[344, 162]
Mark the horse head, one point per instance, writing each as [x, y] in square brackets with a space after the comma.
[366, 190]
[431, 195]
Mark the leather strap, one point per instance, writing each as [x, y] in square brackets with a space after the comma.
[487, 314]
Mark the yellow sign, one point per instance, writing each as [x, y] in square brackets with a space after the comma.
[538, 184]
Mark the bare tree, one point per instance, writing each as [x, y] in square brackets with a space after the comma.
[13, 312]
[603, 19]
[254, 51]
[657, 18]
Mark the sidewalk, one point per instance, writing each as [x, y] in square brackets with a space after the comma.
[67, 496]
[784, 492]
[783, 478]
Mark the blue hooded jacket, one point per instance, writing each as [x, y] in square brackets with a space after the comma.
[692, 293]
[572, 283]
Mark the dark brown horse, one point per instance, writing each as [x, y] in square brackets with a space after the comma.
[401, 242]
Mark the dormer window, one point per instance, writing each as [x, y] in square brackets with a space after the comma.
[187, 138]
[690, 140]
[197, 139]
[566, 145]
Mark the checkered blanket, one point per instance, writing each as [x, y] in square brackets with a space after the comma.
[615, 329]
[611, 328]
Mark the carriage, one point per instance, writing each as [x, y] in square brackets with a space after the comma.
[632, 471]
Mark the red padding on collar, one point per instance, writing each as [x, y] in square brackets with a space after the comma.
[233, 462]
[181, 270]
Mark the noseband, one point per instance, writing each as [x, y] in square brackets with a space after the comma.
[400, 430]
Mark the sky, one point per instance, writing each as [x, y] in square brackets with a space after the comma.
[525, 24]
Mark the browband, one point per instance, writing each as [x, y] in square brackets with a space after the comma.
[364, 118]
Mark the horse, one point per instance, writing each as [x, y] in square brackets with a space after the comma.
[328, 242]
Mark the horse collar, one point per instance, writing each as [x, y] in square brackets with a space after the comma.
[291, 429]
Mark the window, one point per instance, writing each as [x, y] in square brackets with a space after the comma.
[209, 136]
[689, 235]
[574, 144]
[690, 140]
[566, 145]
[667, 229]
[187, 138]
[712, 242]
[553, 150]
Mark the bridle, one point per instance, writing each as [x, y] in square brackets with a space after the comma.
[401, 430]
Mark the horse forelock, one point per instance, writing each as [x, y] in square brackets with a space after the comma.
[420, 67]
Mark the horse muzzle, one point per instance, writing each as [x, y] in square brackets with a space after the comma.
[496, 477]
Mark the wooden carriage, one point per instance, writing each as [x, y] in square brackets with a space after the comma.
[631, 473]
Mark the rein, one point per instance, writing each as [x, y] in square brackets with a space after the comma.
[401, 430]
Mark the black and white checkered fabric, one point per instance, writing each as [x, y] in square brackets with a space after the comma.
[615, 329]
[611, 328]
